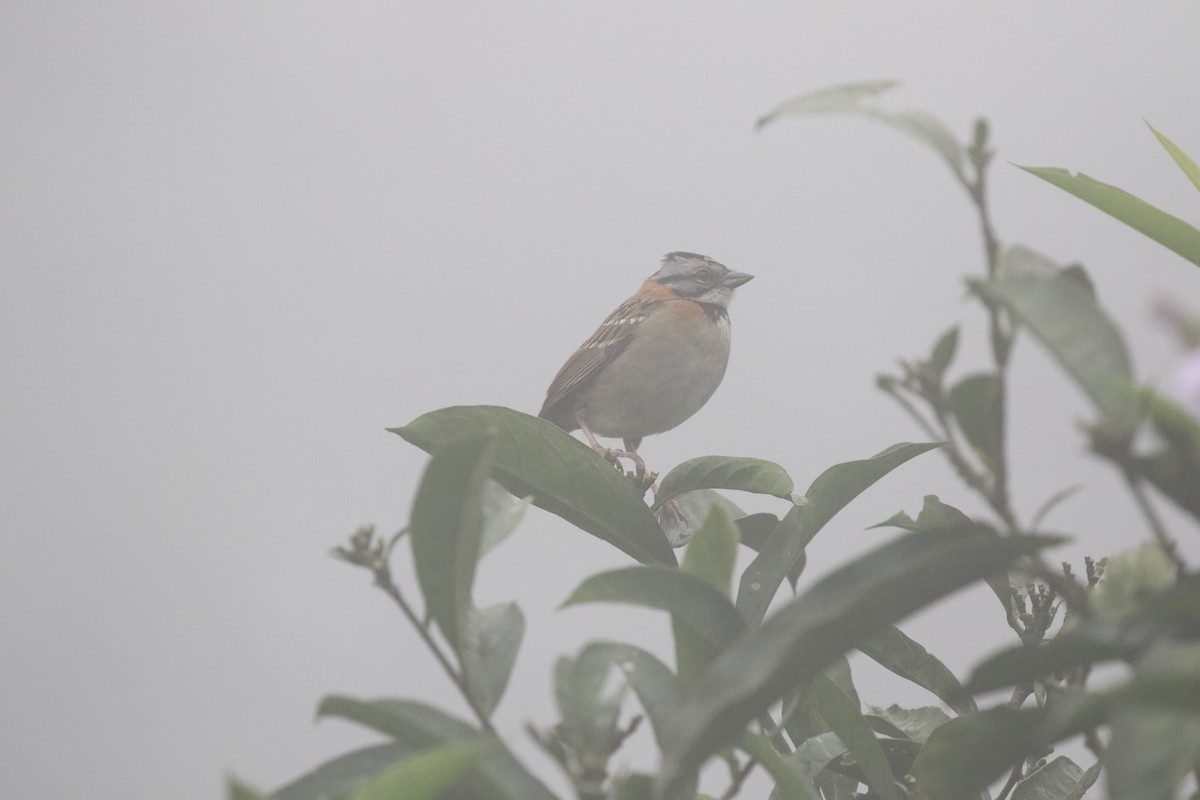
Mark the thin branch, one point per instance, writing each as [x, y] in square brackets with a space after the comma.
[1013, 777]
[1152, 519]
[383, 580]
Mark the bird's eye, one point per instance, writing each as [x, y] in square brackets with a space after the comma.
[704, 274]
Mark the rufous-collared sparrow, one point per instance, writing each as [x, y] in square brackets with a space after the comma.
[654, 362]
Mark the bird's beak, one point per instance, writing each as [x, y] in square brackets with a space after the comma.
[735, 279]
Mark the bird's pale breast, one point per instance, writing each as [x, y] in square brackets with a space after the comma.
[661, 379]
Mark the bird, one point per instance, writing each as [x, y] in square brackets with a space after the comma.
[653, 362]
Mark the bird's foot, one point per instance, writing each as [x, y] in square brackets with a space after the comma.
[639, 477]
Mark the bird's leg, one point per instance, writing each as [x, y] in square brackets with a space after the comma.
[631, 446]
[609, 453]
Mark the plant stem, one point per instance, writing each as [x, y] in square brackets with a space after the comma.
[1156, 526]
[1013, 777]
[383, 579]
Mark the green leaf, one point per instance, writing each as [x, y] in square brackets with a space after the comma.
[978, 408]
[422, 776]
[755, 529]
[240, 791]
[499, 776]
[895, 651]
[1086, 644]
[725, 472]
[1186, 163]
[829, 493]
[501, 514]
[336, 777]
[712, 551]
[563, 475]
[1051, 503]
[1060, 779]
[850, 605]
[790, 782]
[1175, 469]
[1061, 312]
[447, 528]
[1169, 231]
[816, 753]
[916, 724]
[710, 556]
[967, 753]
[943, 352]
[1155, 724]
[489, 650]
[851, 727]
[589, 715]
[656, 687]
[635, 786]
[686, 513]
[934, 516]
[1130, 578]
[690, 599]
[851, 99]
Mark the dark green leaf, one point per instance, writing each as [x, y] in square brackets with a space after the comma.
[935, 516]
[755, 529]
[447, 528]
[336, 777]
[967, 753]
[656, 687]
[851, 727]
[1067, 651]
[850, 605]
[892, 649]
[850, 99]
[978, 408]
[829, 493]
[1060, 779]
[499, 776]
[691, 600]
[421, 776]
[725, 472]
[563, 475]
[489, 650]
[1062, 313]
[1166, 229]
[781, 555]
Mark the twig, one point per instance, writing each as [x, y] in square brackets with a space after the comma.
[367, 551]
[1156, 526]
[384, 581]
[1013, 777]
[739, 777]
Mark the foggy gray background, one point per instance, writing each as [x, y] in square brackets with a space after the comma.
[239, 239]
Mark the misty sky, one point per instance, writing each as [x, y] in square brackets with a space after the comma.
[239, 239]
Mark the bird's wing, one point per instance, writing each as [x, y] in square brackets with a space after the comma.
[600, 349]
